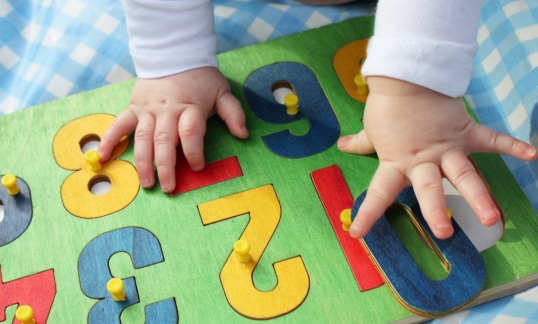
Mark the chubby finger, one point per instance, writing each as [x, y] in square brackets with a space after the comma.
[143, 150]
[357, 144]
[488, 140]
[123, 125]
[191, 129]
[464, 177]
[165, 141]
[386, 185]
[230, 111]
[428, 186]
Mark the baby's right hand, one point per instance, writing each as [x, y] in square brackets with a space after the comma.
[169, 110]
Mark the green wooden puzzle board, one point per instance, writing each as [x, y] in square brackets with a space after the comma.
[194, 254]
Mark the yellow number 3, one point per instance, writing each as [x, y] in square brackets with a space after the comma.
[76, 192]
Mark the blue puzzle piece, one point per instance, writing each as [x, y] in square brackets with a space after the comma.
[419, 294]
[313, 105]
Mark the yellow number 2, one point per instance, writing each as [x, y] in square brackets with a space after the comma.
[236, 276]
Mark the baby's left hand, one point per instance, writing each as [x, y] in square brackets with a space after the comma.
[421, 136]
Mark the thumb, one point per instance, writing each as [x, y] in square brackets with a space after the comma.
[230, 111]
[356, 144]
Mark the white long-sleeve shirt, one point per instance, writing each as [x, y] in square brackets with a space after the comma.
[427, 42]
[431, 43]
[170, 36]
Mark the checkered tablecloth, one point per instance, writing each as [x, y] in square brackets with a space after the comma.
[504, 87]
[53, 48]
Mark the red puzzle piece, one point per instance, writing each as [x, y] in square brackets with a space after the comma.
[214, 172]
[37, 291]
[335, 197]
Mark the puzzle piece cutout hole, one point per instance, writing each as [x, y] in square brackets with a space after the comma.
[89, 142]
[482, 237]
[1, 211]
[99, 185]
[281, 89]
[10, 313]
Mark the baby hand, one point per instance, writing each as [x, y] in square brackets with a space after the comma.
[169, 110]
[421, 136]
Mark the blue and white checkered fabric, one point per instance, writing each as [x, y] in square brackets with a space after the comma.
[53, 48]
[504, 87]
[245, 22]
[50, 49]
[520, 308]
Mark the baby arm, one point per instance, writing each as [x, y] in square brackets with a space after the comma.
[414, 118]
[173, 47]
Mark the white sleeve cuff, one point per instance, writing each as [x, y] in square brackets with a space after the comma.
[170, 36]
[430, 43]
[440, 66]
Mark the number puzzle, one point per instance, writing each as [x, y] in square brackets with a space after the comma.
[257, 235]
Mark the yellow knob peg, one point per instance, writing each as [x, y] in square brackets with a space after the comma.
[242, 249]
[25, 314]
[345, 218]
[449, 213]
[9, 181]
[291, 101]
[115, 287]
[362, 86]
[92, 158]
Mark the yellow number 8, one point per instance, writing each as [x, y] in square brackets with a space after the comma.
[76, 189]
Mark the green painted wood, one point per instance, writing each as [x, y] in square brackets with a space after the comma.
[193, 253]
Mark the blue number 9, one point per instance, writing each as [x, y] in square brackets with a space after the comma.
[313, 105]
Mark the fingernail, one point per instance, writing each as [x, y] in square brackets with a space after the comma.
[100, 155]
[343, 142]
[356, 231]
[490, 214]
[196, 167]
[145, 183]
[166, 187]
[443, 230]
[531, 151]
[442, 226]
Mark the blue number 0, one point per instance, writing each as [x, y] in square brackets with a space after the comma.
[409, 284]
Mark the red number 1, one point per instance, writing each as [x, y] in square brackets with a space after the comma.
[335, 196]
